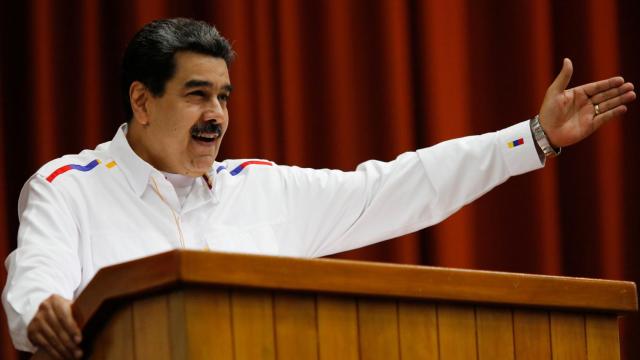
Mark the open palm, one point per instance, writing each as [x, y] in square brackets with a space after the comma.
[568, 116]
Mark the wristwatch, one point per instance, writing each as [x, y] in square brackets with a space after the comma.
[542, 140]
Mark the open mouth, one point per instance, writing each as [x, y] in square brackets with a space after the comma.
[208, 132]
[204, 136]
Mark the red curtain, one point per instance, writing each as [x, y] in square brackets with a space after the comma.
[332, 83]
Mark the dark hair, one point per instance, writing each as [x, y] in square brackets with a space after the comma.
[149, 57]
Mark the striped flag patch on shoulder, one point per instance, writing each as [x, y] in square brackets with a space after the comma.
[63, 169]
[84, 168]
[238, 169]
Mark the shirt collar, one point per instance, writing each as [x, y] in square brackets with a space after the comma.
[136, 170]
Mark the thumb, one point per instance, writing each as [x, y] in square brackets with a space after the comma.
[562, 80]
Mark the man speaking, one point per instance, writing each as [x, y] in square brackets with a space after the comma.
[157, 185]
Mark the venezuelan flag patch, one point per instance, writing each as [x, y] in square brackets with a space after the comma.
[515, 143]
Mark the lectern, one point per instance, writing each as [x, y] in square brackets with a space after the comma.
[207, 305]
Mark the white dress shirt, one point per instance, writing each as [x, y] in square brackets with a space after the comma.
[82, 212]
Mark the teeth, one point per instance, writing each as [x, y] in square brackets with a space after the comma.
[206, 135]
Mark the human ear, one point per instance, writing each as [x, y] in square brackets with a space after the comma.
[138, 97]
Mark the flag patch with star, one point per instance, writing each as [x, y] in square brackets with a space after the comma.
[515, 143]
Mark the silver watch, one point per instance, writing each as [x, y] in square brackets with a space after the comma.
[542, 140]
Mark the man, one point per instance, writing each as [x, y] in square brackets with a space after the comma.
[156, 186]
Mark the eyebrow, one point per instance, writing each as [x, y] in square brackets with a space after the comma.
[203, 83]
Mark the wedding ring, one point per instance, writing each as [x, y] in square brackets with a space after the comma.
[597, 108]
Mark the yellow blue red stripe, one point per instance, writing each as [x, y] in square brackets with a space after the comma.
[515, 143]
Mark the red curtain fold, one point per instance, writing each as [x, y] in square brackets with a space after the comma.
[539, 35]
[603, 37]
[336, 82]
[445, 84]
[6, 349]
[91, 70]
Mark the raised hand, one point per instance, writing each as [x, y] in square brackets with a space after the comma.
[54, 330]
[568, 116]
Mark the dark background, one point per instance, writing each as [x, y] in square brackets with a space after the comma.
[332, 83]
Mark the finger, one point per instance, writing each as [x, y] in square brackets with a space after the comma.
[41, 342]
[63, 312]
[562, 80]
[625, 98]
[594, 88]
[41, 334]
[53, 340]
[60, 334]
[604, 117]
[604, 96]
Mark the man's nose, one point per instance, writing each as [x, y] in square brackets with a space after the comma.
[215, 111]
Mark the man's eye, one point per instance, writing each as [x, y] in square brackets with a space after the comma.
[198, 93]
[223, 97]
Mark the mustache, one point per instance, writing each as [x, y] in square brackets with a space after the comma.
[208, 127]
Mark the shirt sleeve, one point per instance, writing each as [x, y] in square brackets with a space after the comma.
[46, 259]
[332, 211]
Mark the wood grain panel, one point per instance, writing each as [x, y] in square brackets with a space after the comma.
[602, 337]
[494, 333]
[151, 326]
[457, 332]
[296, 328]
[532, 335]
[177, 324]
[253, 332]
[208, 324]
[115, 340]
[418, 327]
[253, 325]
[378, 329]
[337, 328]
[568, 338]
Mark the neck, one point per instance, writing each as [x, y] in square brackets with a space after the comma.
[136, 139]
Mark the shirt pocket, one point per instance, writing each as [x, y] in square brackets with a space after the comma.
[255, 239]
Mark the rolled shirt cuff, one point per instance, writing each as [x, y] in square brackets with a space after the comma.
[518, 149]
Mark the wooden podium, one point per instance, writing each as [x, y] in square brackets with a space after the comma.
[206, 305]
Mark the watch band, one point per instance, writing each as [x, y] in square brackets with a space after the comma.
[542, 140]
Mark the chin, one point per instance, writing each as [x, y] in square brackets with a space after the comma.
[200, 166]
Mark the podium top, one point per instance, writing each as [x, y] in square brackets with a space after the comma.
[356, 278]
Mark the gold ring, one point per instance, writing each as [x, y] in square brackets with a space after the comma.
[597, 108]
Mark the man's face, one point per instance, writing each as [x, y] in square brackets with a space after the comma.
[185, 125]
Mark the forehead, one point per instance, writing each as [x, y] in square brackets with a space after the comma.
[190, 65]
